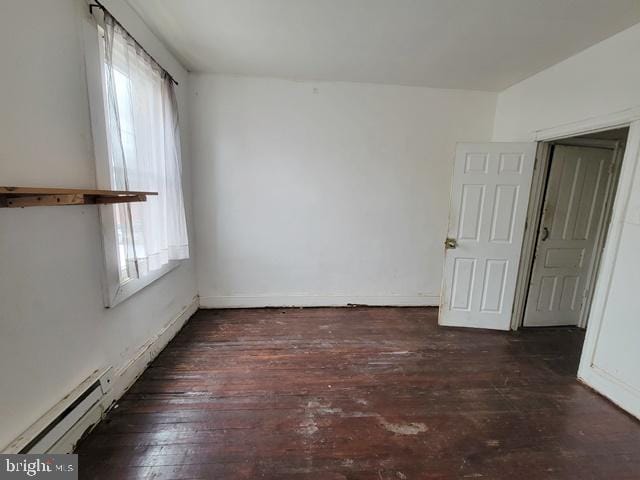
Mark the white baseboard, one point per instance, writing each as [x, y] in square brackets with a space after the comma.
[126, 374]
[68, 441]
[48, 432]
[623, 395]
[120, 381]
[257, 301]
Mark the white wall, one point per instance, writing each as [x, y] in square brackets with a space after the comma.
[324, 193]
[602, 80]
[54, 330]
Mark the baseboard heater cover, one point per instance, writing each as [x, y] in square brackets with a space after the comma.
[45, 433]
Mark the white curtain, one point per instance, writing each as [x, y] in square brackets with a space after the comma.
[144, 144]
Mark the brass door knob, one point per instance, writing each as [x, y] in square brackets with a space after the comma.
[450, 243]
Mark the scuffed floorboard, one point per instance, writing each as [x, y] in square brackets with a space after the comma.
[361, 393]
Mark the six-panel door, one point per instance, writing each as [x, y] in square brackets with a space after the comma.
[489, 197]
[578, 185]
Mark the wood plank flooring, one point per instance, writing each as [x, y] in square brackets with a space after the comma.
[361, 393]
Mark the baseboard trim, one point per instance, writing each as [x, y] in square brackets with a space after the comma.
[621, 394]
[126, 375]
[123, 378]
[257, 301]
[40, 436]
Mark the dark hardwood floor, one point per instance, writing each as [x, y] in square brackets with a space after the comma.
[361, 393]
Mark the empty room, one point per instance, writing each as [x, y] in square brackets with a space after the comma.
[320, 239]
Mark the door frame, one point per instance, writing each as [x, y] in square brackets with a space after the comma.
[540, 179]
[589, 373]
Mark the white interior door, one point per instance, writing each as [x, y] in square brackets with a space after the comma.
[489, 198]
[572, 217]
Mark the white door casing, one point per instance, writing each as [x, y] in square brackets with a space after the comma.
[610, 354]
[572, 218]
[489, 198]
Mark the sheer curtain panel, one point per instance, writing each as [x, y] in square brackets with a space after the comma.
[144, 153]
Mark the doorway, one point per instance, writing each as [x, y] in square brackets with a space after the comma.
[571, 207]
[492, 237]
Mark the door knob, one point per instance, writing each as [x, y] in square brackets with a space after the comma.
[545, 234]
[450, 243]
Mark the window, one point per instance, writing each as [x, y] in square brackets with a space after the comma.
[135, 129]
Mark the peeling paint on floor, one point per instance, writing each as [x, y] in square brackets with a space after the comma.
[315, 408]
[412, 428]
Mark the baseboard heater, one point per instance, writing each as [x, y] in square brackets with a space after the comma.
[48, 434]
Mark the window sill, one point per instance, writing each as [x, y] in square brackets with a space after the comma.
[133, 286]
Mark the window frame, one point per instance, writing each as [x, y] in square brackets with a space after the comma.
[114, 291]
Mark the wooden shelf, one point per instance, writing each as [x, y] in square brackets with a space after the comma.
[15, 197]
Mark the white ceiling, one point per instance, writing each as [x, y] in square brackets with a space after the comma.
[470, 44]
